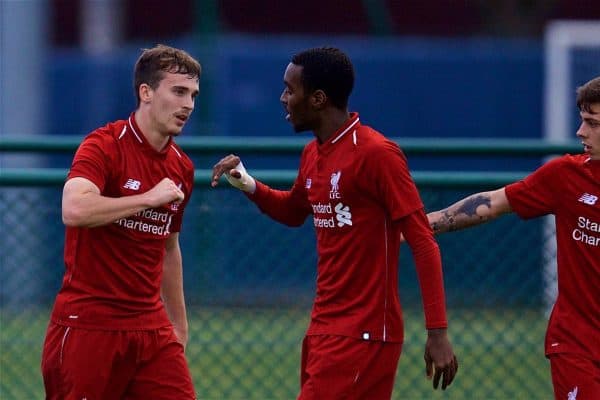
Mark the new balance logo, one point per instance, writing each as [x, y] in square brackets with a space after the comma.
[588, 199]
[132, 184]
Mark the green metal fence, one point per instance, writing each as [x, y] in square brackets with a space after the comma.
[249, 299]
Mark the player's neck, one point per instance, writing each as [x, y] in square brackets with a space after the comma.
[331, 122]
[149, 129]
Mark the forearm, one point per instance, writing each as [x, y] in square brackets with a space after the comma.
[92, 209]
[428, 263]
[431, 281]
[83, 205]
[472, 210]
[283, 206]
[172, 291]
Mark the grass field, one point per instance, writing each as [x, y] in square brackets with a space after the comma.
[244, 354]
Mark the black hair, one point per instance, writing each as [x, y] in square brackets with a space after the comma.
[328, 69]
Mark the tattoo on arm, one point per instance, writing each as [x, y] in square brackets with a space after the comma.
[462, 214]
[444, 223]
[470, 204]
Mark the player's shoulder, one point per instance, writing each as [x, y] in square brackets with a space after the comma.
[109, 132]
[180, 155]
[567, 165]
[576, 159]
[107, 135]
[566, 161]
[310, 148]
[370, 140]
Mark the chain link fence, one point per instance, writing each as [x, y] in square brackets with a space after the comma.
[249, 284]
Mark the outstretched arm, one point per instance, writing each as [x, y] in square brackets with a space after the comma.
[232, 167]
[289, 207]
[470, 211]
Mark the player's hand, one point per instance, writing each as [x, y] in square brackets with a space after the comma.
[234, 171]
[181, 334]
[440, 361]
[224, 166]
[165, 192]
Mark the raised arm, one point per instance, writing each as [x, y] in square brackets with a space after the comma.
[470, 211]
[84, 206]
[289, 207]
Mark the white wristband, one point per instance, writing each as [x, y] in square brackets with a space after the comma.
[245, 183]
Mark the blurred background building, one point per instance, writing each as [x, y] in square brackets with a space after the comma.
[443, 68]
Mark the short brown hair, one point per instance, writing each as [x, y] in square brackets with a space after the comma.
[152, 63]
[588, 94]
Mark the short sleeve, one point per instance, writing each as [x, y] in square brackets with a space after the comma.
[91, 160]
[536, 194]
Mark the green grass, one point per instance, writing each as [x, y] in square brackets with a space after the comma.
[238, 353]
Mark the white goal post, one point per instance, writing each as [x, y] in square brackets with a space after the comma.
[561, 39]
[572, 57]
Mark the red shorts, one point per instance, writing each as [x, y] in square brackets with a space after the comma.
[338, 367]
[574, 377]
[93, 364]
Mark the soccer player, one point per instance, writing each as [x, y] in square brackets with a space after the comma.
[356, 185]
[569, 188]
[119, 327]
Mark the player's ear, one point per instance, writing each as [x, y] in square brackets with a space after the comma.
[318, 99]
[145, 92]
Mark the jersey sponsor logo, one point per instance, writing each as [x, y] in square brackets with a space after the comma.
[148, 221]
[587, 232]
[343, 215]
[588, 199]
[339, 213]
[132, 184]
[335, 185]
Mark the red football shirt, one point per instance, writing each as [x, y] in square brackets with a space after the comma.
[569, 188]
[358, 189]
[113, 272]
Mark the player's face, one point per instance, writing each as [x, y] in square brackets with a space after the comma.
[589, 131]
[172, 102]
[295, 101]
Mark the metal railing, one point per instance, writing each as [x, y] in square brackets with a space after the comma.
[249, 298]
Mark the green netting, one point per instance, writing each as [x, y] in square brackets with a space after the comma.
[249, 285]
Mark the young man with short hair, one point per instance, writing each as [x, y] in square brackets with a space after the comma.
[356, 185]
[119, 327]
[567, 187]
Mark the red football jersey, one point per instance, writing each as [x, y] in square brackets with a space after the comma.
[357, 186]
[569, 188]
[113, 272]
